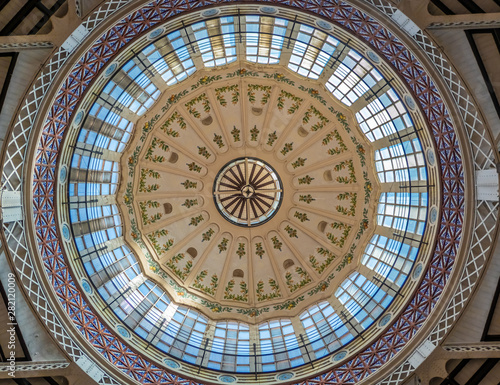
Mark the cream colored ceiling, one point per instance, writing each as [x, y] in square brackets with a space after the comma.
[327, 210]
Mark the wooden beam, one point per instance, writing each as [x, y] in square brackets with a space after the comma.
[8, 77]
[442, 7]
[482, 371]
[471, 6]
[484, 72]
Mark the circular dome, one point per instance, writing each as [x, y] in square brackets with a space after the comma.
[327, 277]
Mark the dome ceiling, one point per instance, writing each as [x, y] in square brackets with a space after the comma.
[137, 190]
[253, 193]
[279, 204]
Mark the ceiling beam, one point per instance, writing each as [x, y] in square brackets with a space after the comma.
[482, 69]
[483, 371]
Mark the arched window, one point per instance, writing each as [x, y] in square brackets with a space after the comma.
[312, 50]
[405, 212]
[112, 270]
[264, 38]
[170, 58]
[231, 347]
[325, 330]
[401, 162]
[217, 48]
[384, 116]
[94, 226]
[183, 334]
[105, 129]
[353, 78]
[362, 298]
[278, 345]
[132, 88]
[92, 176]
[389, 258]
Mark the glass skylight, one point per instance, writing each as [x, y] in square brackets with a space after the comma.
[401, 162]
[311, 52]
[170, 58]
[389, 258]
[324, 328]
[216, 41]
[353, 78]
[384, 116]
[364, 300]
[264, 38]
[402, 211]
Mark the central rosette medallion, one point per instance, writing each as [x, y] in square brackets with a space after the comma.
[248, 192]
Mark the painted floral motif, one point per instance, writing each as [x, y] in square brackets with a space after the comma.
[205, 80]
[275, 293]
[252, 88]
[322, 286]
[304, 279]
[223, 245]
[203, 99]
[236, 134]
[299, 162]
[214, 283]
[206, 236]
[292, 233]
[350, 167]
[280, 78]
[276, 243]
[193, 167]
[325, 253]
[235, 94]
[253, 312]
[175, 117]
[204, 152]
[305, 180]
[218, 140]
[286, 148]
[155, 236]
[362, 154]
[188, 203]
[228, 291]
[313, 93]
[306, 198]
[195, 221]
[368, 190]
[132, 161]
[242, 72]
[144, 206]
[337, 149]
[174, 98]
[345, 229]
[301, 216]
[271, 138]
[145, 172]
[341, 118]
[351, 211]
[254, 133]
[189, 184]
[322, 120]
[289, 305]
[173, 262]
[156, 158]
[259, 250]
[287, 95]
[241, 250]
